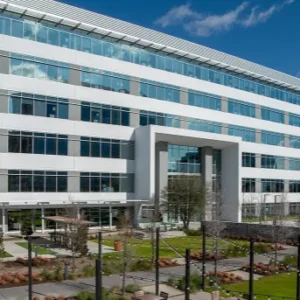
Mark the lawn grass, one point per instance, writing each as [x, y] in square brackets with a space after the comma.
[277, 287]
[41, 250]
[5, 255]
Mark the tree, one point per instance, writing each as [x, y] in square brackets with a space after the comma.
[185, 196]
[26, 224]
[2, 248]
[76, 233]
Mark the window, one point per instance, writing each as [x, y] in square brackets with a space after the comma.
[294, 142]
[66, 37]
[204, 100]
[272, 115]
[247, 134]
[183, 159]
[37, 143]
[241, 108]
[294, 186]
[248, 185]
[272, 186]
[157, 90]
[37, 105]
[106, 148]
[202, 125]
[148, 117]
[272, 162]
[294, 164]
[98, 113]
[294, 120]
[106, 183]
[248, 160]
[28, 66]
[272, 138]
[37, 181]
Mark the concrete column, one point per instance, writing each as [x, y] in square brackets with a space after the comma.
[257, 160]
[110, 217]
[3, 141]
[135, 86]
[78, 212]
[74, 110]
[224, 104]
[184, 122]
[286, 118]
[43, 221]
[286, 207]
[4, 62]
[73, 145]
[73, 182]
[75, 75]
[184, 96]
[206, 174]
[224, 129]
[137, 214]
[3, 181]
[258, 111]
[286, 141]
[286, 187]
[258, 136]
[3, 220]
[3, 101]
[161, 170]
[258, 186]
[134, 118]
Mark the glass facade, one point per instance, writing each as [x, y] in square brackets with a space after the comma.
[272, 186]
[184, 159]
[105, 80]
[37, 143]
[272, 138]
[272, 162]
[294, 186]
[294, 164]
[204, 100]
[40, 68]
[248, 160]
[37, 181]
[294, 142]
[38, 105]
[92, 43]
[247, 134]
[241, 108]
[100, 113]
[294, 120]
[160, 91]
[248, 185]
[207, 126]
[272, 115]
[95, 147]
[106, 183]
[154, 118]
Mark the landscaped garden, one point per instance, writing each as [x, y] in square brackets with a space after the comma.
[41, 250]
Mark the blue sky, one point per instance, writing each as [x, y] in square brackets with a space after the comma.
[262, 31]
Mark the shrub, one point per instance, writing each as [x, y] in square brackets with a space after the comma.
[48, 298]
[195, 283]
[60, 298]
[86, 296]
[290, 261]
[36, 298]
[193, 232]
[142, 265]
[88, 271]
[132, 288]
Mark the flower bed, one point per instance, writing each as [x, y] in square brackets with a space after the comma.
[209, 256]
[167, 262]
[17, 279]
[226, 278]
[36, 261]
[265, 270]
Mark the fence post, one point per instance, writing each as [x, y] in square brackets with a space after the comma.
[29, 268]
[66, 271]
[298, 270]
[157, 262]
[250, 293]
[98, 278]
[187, 274]
[203, 256]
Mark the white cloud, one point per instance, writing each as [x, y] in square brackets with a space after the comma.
[257, 17]
[200, 24]
[215, 23]
[176, 15]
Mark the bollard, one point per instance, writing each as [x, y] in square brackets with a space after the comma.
[66, 271]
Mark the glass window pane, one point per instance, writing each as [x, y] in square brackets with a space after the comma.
[26, 183]
[63, 111]
[39, 145]
[85, 113]
[105, 149]
[39, 108]
[42, 33]
[64, 39]
[14, 144]
[115, 185]
[84, 184]
[95, 149]
[13, 183]
[17, 29]
[50, 183]
[51, 109]
[38, 183]
[115, 150]
[62, 184]
[26, 144]
[85, 148]
[53, 37]
[29, 31]
[51, 146]
[27, 107]
[62, 146]
[14, 105]
[95, 184]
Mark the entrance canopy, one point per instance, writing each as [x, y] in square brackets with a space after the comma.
[70, 221]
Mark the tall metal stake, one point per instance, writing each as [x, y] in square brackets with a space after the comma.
[298, 270]
[203, 256]
[99, 268]
[250, 293]
[187, 274]
[29, 268]
[157, 262]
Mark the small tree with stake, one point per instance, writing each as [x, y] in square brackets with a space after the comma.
[186, 196]
[2, 248]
